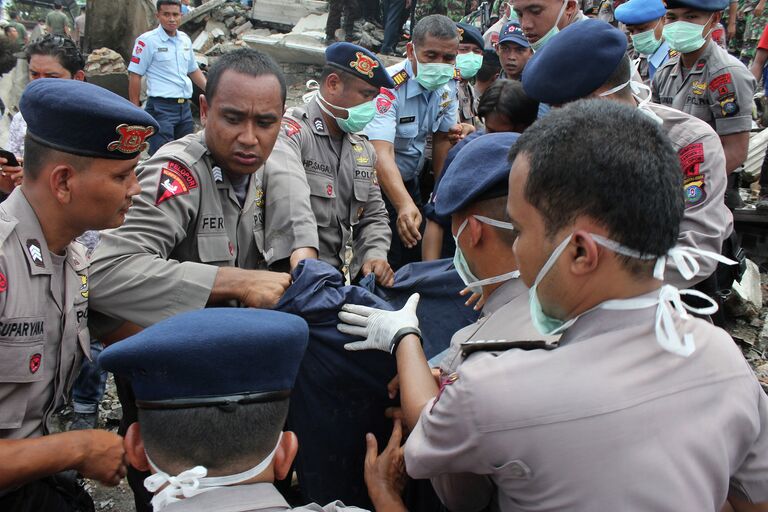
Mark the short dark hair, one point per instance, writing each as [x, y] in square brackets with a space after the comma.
[435, 25]
[491, 66]
[13, 14]
[495, 208]
[62, 47]
[343, 75]
[8, 28]
[508, 98]
[57, 5]
[224, 441]
[161, 3]
[621, 75]
[37, 156]
[7, 55]
[578, 166]
[248, 62]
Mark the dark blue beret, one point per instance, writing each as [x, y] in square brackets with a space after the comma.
[84, 119]
[359, 62]
[637, 12]
[511, 32]
[211, 356]
[469, 34]
[701, 5]
[480, 171]
[574, 63]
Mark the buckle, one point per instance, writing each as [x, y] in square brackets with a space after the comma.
[181, 100]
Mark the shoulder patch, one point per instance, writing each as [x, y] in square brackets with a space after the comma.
[175, 180]
[444, 382]
[690, 157]
[720, 81]
[290, 127]
[400, 78]
[383, 104]
[3, 282]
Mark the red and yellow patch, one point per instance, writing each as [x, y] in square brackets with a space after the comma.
[175, 180]
[132, 138]
[290, 127]
[364, 64]
[690, 157]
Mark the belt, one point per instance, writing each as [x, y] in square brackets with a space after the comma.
[170, 100]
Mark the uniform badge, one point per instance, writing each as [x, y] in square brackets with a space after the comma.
[259, 198]
[700, 65]
[329, 190]
[693, 188]
[673, 53]
[290, 127]
[135, 59]
[357, 148]
[364, 64]
[175, 180]
[319, 126]
[444, 383]
[456, 74]
[35, 252]
[218, 176]
[362, 160]
[34, 362]
[400, 78]
[3, 282]
[728, 105]
[690, 157]
[699, 88]
[132, 138]
[84, 286]
[720, 81]
[461, 33]
[383, 104]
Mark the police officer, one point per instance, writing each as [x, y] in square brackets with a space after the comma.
[226, 374]
[571, 58]
[705, 81]
[165, 56]
[339, 164]
[644, 20]
[574, 426]
[422, 103]
[514, 50]
[78, 176]
[543, 19]
[468, 63]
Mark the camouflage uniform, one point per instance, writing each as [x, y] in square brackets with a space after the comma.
[754, 26]
[735, 43]
[454, 9]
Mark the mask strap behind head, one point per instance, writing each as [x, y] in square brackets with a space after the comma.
[313, 89]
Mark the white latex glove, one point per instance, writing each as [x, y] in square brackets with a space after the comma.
[381, 329]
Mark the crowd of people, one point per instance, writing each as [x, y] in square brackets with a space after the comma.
[501, 258]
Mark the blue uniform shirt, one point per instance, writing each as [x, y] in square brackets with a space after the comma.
[414, 114]
[166, 61]
[658, 59]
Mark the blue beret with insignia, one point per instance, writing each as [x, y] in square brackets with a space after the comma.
[637, 12]
[511, 32]
[469, 34]
[83, 119]
[359, 62]
[480, 171]
[700, 5]
[574, 63]
[214, 356]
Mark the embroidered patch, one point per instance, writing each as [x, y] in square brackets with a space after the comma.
[34, 362]
[443, 384]
[400, 78]
[386, 92]
[135, 60]
[132, 138]
[363, 160]
[175, 180]
[720, 81]
[364, 64]
[357, 148]
[84, 286]
[259, 197]
[694, 190]
[35, 252]
[329, 190]
[3, 283]
[383, 104]
[700, 65]
[728, 105]
[290, 127]
[699, 88]
[690, 157]
[319, 126]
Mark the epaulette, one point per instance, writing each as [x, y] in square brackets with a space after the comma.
[471, 346]
[673, 53]
[400, 78]
[456, 74]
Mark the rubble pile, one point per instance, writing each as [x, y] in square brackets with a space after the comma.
[217, 27]
[105, 62]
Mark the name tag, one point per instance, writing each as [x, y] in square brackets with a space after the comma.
[408, 119]
[162, 49]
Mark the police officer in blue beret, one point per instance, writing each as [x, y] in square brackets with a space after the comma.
[82, 146]
[644, 20]
[468, 62]
[514, 50]
[212, 388]
[321, 153]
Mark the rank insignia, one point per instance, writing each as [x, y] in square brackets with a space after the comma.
[357, 148]
[84, 286]
[35, 252]
[259, 198]
[699, 88]
[362, 160]
[175, 180]
[364, 64]
[132, 138]
[319, 126]
[400, 78]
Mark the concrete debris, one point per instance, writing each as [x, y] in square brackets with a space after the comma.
[105, 62]
[286, 13]
[748, 293]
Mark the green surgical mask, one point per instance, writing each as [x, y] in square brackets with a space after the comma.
[646, 42]
[357, 117]
[538, 45]
[433, 75]
[684, 36]
[468, 64]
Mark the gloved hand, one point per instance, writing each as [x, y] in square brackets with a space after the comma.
[382, 329]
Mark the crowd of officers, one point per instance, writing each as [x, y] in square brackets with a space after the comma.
[582, 202]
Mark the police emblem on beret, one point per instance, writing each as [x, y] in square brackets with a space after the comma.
[132, 138]
[461, 33]
[364, 64]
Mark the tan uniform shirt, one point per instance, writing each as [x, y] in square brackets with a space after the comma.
[718, 90]
[707, 222]
[606, 421]
[185, 224]
[43, 322]
[261, 497]
[341, 183]
[506, 317]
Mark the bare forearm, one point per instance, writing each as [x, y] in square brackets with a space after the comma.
[134, 89]
[432, 243]
[417, 384]
[198, 78]
[759, 63]
[228, 285]
[736, 147]
[389, 175]
[440, 147]
[303, 253]
[27, 460]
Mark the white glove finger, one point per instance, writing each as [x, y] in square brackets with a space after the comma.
[352, 330]
[358, 345]
[353, 319]
[412, 303]
[359, 310]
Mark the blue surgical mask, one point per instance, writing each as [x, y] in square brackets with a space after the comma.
[538, 45]
[645, 42]
[432, 75]
[462, 267]
[684, 36]
[468, 64]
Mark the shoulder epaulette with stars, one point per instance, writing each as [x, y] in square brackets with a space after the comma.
[400, 78]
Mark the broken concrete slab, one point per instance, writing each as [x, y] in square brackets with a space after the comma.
[199, 13]
[286, 12]
[202, 42]
[746, 300]
[311, 23]
[245, 27]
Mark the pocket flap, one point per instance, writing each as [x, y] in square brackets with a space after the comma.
[321, 186]
[214, 248]
[22, 362]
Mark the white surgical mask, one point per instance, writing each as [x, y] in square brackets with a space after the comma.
[643, 102]
[538, 45]
[462, 267]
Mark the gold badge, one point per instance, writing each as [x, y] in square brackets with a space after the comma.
[259, 198]
[364, 64]
[84, 286]
[362, 160]
[132, 138]
[699, 88]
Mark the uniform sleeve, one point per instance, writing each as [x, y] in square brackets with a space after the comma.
[289, 222]
[706, 221]
[655, 87]
[449, 112]
[141, 56]
[750, 482]
[444, 447]
[730, 93]
[372, 235]
[384, 124]
[133, 271]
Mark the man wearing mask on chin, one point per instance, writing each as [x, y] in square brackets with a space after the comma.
[321, 141]
[543, 19]
[468, 63]
[644, 20]
[422, 103]
[706, 82]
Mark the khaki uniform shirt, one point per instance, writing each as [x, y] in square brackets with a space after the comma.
[506, 317]
[718, 90]
[606, 421]
[185, 224]
[261, 497]
[340, 180]
[43, 322]
[707, 222]
[467, 102]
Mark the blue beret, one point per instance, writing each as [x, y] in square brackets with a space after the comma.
[511, 32]
[701, 5]
[480, 171]
[211, 356]
[574, 63]
[637, 12]
[84, 119]
[469, 34]
[359, 62]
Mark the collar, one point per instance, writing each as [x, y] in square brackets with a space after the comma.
[660, 55]
[504, 294]
[314, 115]
[699, 65]
[237, 498]
[163, 34]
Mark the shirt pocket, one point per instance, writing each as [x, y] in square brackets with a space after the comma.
[215, 248]
[322, 192]
[163, 56]
[362, 190]
[20, 363]
[405, 134]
